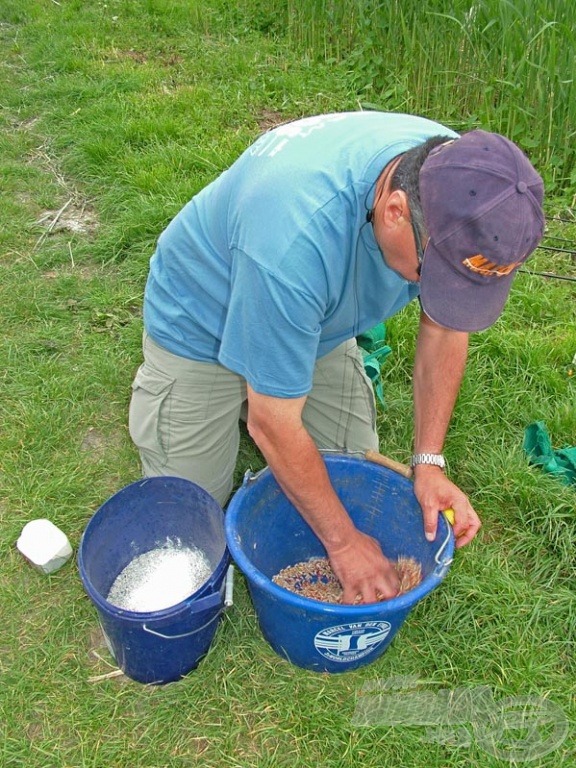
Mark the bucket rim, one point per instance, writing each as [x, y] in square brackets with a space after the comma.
[444, 556]
[212, 584]
[156, 480]
[208, 587]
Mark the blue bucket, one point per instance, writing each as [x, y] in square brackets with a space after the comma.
[158, 646]
[265, 534]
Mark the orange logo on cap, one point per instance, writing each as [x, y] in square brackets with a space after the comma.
[482, 266]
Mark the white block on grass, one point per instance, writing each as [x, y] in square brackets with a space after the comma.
[44, 545]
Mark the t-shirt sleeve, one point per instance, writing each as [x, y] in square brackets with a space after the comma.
[272, 330]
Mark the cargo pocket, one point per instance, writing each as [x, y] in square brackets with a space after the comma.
[149, 415]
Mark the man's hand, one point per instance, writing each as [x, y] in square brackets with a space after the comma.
[362, 570]
[435, 492]
[357, 560]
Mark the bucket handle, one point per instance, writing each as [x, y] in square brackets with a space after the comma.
[204, 604]
[250, 476]
[185, 634]
[442, 565]
[373, 456]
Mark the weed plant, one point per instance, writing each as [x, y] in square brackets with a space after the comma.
[113, 114]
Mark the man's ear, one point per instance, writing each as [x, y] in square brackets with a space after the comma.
[396, 208]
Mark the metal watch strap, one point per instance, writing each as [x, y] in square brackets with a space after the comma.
[435, 459]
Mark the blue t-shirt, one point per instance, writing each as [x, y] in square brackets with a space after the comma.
[274, 263]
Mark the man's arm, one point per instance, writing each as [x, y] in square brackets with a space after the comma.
[276, 426]
[438, 370]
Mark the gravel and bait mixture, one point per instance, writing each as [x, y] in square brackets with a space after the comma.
[160, 578]
[315, 578]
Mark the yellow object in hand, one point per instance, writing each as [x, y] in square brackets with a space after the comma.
[450, 515]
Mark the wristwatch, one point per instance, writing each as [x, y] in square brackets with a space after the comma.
[435, 459]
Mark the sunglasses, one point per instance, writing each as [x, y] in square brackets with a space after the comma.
[419, 247]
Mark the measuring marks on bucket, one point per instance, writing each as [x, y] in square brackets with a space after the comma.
[379, 491]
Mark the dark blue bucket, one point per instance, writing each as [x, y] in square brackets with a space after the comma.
[164, 645]
[265, 534]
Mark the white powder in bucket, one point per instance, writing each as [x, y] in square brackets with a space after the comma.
[160, 578]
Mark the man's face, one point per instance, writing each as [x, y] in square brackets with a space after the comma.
[401, 244]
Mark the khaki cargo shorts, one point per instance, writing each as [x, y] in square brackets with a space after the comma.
[184, 415]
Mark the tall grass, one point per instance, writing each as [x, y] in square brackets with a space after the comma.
[506, 66]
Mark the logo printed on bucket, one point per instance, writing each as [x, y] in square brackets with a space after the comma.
[348, 642]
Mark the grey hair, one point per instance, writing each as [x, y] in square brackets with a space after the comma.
[407, 174]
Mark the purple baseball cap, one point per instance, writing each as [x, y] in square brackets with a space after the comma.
[482, 205]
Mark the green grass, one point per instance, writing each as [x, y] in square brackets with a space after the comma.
[113, 115]
[507, 66]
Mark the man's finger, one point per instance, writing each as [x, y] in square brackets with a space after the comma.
[468, 532]
[430, 525]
